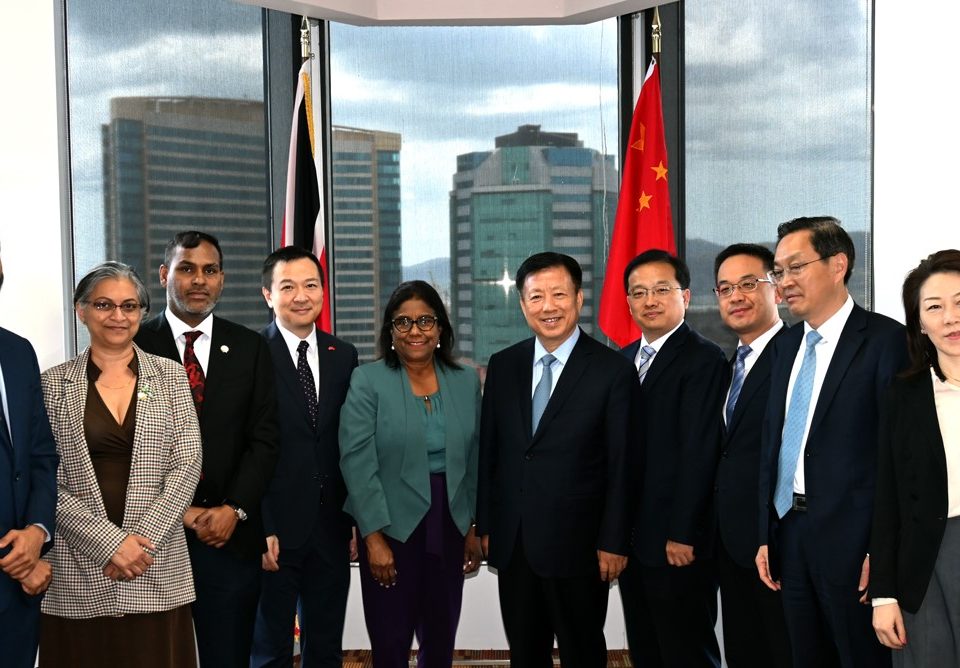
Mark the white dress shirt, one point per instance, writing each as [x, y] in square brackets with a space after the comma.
[830, 331]
[201, 347]
[562, 353]
[313, 357]
[756, 349]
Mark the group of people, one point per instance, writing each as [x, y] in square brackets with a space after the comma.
[186, 487]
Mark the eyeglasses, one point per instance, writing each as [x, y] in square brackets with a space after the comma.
[793, 270]
[745, 286]
[424, 323]
[659, 292]
[106, 306]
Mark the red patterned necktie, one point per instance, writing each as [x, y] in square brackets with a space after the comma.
[194, 370]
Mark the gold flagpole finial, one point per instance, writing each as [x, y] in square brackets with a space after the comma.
[305, 39]
[655, 32]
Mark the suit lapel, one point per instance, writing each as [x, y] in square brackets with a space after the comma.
[754, 380]
[921, 403]
[219, 349]
[572, 370]
[524, 383]
[326, 352]
[787, 347]
[285, 369]
[851, 338]
[75, 400]
[166, 346]
[665, 356]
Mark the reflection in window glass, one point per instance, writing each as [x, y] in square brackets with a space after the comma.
[167, 134]
[460, 154]
[777, 126]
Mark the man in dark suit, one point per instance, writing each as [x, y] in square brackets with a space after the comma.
[819, 456]
[231, 378]
[28, 499]
[669, 592]
[555, 473]
[307, 561]
[754, 632]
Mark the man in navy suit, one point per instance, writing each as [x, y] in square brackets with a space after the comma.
[28, 499]
[553, 501]
[819, 450]
[231, 377]
[754, 632]
[669, 591]
[308, 548]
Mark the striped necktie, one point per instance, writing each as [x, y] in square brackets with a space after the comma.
[646, 359]
[739, 374]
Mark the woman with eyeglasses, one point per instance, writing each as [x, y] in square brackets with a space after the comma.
[129, 447]
[915, 544]
[408, 452]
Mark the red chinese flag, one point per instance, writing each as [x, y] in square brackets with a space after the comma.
[303, 223]
[643, 218]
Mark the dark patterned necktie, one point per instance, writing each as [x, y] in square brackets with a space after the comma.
[4, 434]
[306, 382]
[194, 370]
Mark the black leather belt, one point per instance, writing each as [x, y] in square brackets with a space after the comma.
[799, 503]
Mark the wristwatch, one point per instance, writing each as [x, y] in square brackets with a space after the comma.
[241, 514]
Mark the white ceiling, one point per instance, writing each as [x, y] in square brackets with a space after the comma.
[458, 12]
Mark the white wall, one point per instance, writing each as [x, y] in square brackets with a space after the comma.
[913, 213]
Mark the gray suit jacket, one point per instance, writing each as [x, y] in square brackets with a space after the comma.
[163, 475]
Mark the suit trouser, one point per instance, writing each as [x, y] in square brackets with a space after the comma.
[670, 613]
[535, 609]
[754, 631]
[828, 625]
[19, 626]
[312, 583]
[228, 587]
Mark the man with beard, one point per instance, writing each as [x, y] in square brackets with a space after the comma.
[231, 378]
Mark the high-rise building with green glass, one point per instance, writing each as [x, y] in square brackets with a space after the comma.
[535, 191]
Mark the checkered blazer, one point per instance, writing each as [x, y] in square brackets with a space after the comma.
[164, 471]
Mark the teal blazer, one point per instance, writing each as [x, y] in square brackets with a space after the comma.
[383, 454]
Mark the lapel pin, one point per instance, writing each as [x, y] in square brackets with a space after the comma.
[224, 349]
[331, 347]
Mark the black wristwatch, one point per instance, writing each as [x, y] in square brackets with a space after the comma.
[241, 514]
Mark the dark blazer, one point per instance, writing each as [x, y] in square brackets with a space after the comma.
[840, 460]
[677, 407]
[32, 483]
[238, 422]
[738, 471]
[569, 485]
[911, 503]
[308, 472]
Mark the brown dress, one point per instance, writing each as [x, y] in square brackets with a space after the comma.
[152, 640]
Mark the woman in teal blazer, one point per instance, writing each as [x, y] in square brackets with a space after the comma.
[408, 453]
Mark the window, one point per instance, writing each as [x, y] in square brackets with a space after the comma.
[474, 148]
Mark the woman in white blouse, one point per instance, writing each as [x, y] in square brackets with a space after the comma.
[915, 546]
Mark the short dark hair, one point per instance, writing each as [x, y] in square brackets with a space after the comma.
[923, 354]
[827, 237]
[426, 293]
[287, 254]
[190, 239]
[548, 260]
[762, 253]
[680, 269]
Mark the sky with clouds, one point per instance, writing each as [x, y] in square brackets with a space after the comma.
[777, 102]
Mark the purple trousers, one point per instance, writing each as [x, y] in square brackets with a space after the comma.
[426, 598]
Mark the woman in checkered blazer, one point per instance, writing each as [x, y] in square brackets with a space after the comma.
[129, 447]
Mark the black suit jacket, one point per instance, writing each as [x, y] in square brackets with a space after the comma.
[678, 405]
[911, 504]
[308, 474]
[568, 485]
[840, 457]
[738, 471]
[237, 422]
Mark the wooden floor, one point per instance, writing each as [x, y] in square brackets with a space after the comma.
[476, 659]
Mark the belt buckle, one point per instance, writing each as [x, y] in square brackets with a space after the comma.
[799, 503]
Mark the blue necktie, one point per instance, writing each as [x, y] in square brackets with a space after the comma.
[646, 355]
[541, 395]
[739, 374]
[794, 426]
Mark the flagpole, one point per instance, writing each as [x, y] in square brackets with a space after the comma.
[655, 33]
[305, 52]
